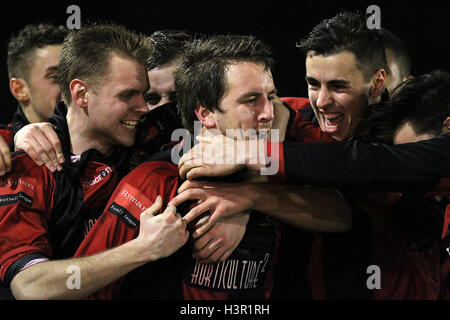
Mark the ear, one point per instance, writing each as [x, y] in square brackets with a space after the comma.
[19, 90]
[79, 92]
[377, 84]
[446, 125]
[206, 117]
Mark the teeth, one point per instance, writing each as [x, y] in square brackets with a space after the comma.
[129, 123]
[331, 116]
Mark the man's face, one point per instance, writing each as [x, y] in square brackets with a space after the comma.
[117, 105]
[248, 100]
[338, 93]
[43, 89]
[405, 134]
[162, 88]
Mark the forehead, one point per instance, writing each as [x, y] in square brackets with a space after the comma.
[46, 56]
[243, 77]
[162, 76]
[125, 72]
[341, 65]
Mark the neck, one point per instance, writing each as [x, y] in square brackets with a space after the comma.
[31, 114]
[83, 138]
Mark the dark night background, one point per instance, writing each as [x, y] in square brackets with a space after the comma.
[423, 25]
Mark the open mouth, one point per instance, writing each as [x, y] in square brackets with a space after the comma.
[332, 119]
[129, 124]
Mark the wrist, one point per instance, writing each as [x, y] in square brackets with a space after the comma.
[137, 252]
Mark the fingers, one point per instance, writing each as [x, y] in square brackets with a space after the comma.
[197, 211]
[212, 252]
[191, 194]
[186, 170]
[153, 209]
[56, 154]
[5, 158]
[202, 229]
[197, 172]
[41, 143]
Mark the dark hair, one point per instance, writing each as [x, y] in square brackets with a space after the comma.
[22, 46]
[168, 46]
[399, 49]
[201, 77]
[86, 53]
[347, 31]
[423, 102]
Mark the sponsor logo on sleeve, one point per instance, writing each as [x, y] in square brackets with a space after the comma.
[14, 190]
[128, 205]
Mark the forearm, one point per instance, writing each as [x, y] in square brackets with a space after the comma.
[58, 279]
[308, 208]
[357, 166]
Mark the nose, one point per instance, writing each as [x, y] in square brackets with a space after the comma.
[324, 98]
[266, 114]
[139, 105]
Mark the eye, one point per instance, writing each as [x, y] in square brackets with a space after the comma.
[250, 100]
[339, 87]
[313, 84]
[53, 77]
[152, 99]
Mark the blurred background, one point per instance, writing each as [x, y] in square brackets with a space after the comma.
[423, 25]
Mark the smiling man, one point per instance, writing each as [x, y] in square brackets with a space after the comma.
[345, 74]
[45, 214]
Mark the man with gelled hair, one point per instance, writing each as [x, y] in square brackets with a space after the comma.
[103, 78]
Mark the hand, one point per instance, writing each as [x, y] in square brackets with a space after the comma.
[215, 155]
[163, 234]
[221, 199]
[5, 157]
[219, 242]
[40, 142]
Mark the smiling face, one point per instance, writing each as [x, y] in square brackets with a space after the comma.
[42, 87]
[117, 105]
[338, 93]
[248, 100]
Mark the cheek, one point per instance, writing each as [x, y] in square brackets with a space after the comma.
[312, 95]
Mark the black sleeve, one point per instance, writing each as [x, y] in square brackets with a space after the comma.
[19, 264]
[368, 167]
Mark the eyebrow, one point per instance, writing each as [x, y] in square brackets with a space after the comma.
[52, 68]
[256, 93]
[340, 82]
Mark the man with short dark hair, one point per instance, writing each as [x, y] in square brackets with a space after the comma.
[32, 66]
[32, 69]
[168, 49]
[103, 78]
